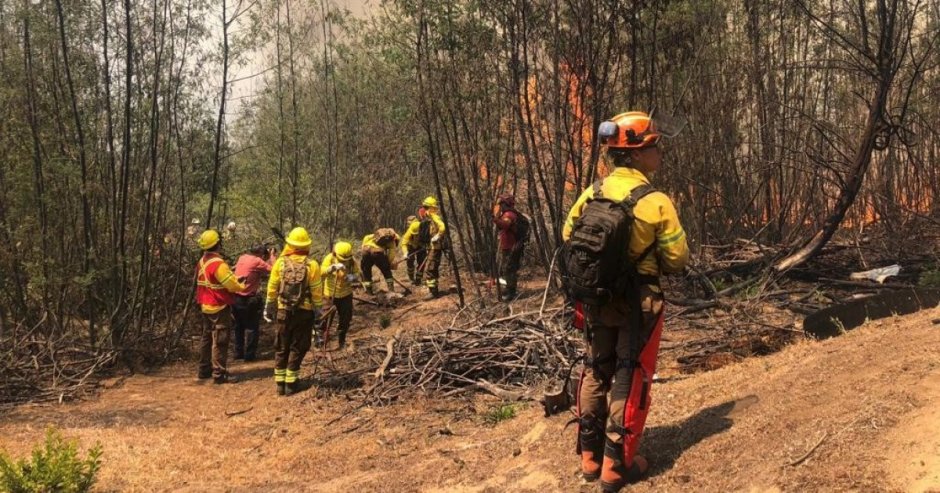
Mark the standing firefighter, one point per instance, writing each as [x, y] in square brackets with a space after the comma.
[379, 249]
[435, 231]
[251, 267]
[294, 298]
[341, 272]
[216, 286]
[513, 229]
[415, 244]
[620, 236]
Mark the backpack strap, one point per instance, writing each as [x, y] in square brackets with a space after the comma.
[630, 203]
[598, 192]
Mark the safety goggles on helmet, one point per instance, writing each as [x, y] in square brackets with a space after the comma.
[635, 130]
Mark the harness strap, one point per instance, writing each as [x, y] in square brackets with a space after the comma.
[203, 278]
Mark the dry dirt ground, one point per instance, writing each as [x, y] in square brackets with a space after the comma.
[859, 412]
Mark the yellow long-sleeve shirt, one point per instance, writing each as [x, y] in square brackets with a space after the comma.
[656, 221]
[369, 244]
[336, 285]
[314, 298]
[437, 229]
[409, 240]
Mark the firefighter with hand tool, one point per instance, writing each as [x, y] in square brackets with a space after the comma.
[379, 249]
[294, 298]
[216, 286]
[620, 236]
[415, 244]
[437, 241]
[341, 272]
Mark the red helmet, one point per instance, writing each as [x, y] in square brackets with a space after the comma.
[630, 130]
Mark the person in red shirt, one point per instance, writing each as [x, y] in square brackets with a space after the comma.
[506, 218]
[251, 269]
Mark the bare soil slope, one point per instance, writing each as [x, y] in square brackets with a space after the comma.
[859, 412]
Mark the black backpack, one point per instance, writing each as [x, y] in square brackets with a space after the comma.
[424, 232]
[596, 258]
[522, 227]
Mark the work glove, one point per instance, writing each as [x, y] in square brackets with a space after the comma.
[351, 277]
[269, 311]
[436, 238]
[335, 267]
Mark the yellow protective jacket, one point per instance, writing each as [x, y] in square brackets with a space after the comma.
[369, 245]
[656, 220]
[409, 240]
[437, 228]
[335, 285]
[314, 298]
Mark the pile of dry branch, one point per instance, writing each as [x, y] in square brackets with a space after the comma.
[40, 367]
[508, 357]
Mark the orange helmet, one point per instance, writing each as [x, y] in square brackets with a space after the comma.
[630, 130]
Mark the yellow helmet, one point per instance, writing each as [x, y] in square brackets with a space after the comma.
[298, 238]
[343, 250]
[208, 239]
[430, 201]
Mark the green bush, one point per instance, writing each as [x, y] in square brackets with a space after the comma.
[500, 413]
[55, 467]
[930, 278]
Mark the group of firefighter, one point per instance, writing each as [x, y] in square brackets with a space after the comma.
[620, 235]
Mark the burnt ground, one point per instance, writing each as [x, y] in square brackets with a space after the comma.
[856, 412]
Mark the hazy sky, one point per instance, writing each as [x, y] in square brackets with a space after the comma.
[259, 60]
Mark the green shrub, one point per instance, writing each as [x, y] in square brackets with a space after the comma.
[930, 278]
[500, 413]
[55, 467]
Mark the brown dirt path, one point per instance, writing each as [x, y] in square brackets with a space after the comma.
[860, 412]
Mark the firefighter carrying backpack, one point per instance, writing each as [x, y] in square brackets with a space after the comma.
[293, 289]
[596, 258]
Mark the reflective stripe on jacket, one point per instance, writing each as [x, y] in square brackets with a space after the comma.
[314, 299]
[656, 221]
[215, 283]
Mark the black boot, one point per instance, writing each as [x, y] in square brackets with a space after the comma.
[281, 388]
[291, 388]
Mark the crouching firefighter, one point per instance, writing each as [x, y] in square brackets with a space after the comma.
[379, 249]
[620, 236]
[294, 298]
